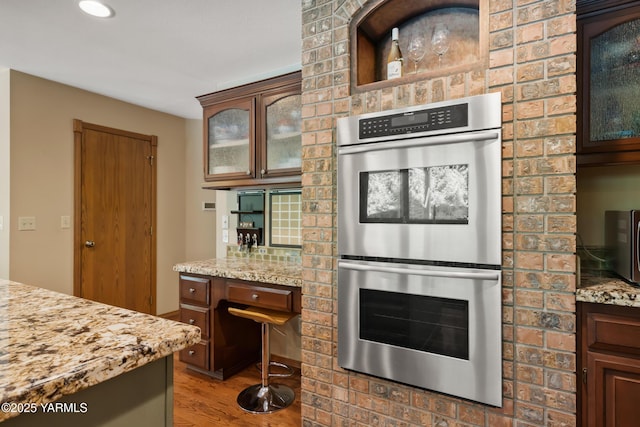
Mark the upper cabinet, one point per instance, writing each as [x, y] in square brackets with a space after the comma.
[252, 134]
[609, 52]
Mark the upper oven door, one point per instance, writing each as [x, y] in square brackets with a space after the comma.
[435, 198]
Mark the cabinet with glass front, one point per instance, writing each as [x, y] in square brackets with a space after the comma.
[608, 91]
[252, 134]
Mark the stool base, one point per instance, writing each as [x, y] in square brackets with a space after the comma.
[265, 400]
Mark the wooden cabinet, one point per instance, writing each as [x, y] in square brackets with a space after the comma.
[194, 310]
[609, 362]
[229, 343]
[609, 69]
[252, 134]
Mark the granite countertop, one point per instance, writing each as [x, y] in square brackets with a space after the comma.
[605, 289]
[274, 272]
[52, 344]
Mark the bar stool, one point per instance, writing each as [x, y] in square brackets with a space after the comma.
[265, 398]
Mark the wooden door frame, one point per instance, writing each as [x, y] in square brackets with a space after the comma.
[78, 128]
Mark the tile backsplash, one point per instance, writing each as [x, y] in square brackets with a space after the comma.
[266, 253]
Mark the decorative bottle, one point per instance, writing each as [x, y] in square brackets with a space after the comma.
[394, 60]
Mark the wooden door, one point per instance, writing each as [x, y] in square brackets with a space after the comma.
[114, 241]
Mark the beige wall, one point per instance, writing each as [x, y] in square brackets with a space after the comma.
[601, 189]
[200, 227]
[4, 172]
[42, 114]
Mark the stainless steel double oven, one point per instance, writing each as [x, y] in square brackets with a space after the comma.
[419, 242]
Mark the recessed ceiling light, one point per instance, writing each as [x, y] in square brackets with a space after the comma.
[95, 8]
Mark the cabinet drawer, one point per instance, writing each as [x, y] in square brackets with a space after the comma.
[614, 333]
[194, 290]
[197, 355]
[198, 317]
[276, 299]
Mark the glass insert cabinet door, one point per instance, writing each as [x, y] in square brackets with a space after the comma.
[283, 145]
[230, 146]
[610, 46]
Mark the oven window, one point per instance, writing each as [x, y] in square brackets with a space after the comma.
[430, 324]
[428, 195]
[381, 196]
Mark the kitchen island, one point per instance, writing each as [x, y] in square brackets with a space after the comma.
[68, 361]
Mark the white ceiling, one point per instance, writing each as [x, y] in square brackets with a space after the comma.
[159, 54]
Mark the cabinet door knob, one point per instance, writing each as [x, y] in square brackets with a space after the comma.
[255, 297]
[192, 321]
[248, 172]
[192, 352]
[263, 171]
[192, 290]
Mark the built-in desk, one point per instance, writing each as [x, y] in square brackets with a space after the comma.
[207, 288]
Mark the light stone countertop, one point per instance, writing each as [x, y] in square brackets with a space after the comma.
[53, 344]
[274, 272]
[607, 290]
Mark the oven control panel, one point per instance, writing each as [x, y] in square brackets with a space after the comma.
[449, 117]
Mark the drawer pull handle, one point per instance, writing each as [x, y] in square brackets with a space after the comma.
[192, 352]
[192, 321]
[255, 297]
[192, 290]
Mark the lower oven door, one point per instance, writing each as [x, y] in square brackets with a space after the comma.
[437, 328]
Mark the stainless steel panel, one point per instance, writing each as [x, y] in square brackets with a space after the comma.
[478, 242]
[478, 379]
[622, 239]
[485, 112]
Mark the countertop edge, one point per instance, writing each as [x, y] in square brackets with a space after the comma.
[276, 273]
[607, 290]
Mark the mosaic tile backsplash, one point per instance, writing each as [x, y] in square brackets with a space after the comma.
[266, 253]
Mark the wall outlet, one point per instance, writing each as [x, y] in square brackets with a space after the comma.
[26, 223]
[1, 223]
[225, 236]
[262, 251]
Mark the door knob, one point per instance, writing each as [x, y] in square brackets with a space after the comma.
[89, 243]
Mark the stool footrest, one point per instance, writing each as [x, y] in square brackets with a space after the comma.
[289, 370]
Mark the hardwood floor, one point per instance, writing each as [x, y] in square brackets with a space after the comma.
[201, 401]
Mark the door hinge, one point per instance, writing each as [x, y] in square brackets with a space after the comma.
[150, 160]
[150, 301]
[584, 375]
[151, 231]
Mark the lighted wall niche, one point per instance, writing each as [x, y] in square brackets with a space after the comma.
[436, 38]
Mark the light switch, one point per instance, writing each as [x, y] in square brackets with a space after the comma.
[26, 223]
[65, 221]
[225, 222]
[1, 223]
[225, 236]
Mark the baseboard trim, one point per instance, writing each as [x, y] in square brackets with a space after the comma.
[172, 315]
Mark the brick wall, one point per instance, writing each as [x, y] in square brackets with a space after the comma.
[532, 62]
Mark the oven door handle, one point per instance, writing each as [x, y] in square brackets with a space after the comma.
[419, 142]
[433, 273]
